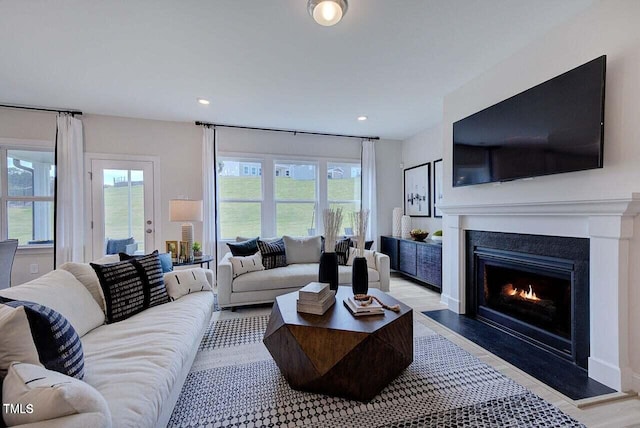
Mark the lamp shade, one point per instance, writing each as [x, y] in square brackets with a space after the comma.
[185, 210]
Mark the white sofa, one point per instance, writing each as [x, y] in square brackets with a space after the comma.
[265, 285]
[138, 365]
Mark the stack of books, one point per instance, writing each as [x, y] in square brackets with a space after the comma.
[315, 298]
[357, 309]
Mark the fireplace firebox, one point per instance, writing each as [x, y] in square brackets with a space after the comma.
[533, 287]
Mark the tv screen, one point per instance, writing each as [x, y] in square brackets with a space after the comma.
[554, 127]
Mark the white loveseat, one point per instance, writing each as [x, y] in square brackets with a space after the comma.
[265, 285]
[138, 365]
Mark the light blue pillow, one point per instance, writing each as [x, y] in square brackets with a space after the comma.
[115, 246]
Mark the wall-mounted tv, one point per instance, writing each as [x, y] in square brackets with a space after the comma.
[554, 127]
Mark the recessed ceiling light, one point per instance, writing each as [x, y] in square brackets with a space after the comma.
[204, 102]
[362, 118]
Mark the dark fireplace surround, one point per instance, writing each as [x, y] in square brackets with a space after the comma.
[532, 286]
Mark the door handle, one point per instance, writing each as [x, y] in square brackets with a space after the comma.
[149, 230]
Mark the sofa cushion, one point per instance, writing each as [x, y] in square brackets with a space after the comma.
[84, 273]
[242, 265]
[51, 395]
[62, 292]
[292, 276]
[302, 249]
[135, 363]
[165, 259]
[182, 282]
[273, 253]
[131, 286]
[57, 344]
[368, 254]
[244, 248]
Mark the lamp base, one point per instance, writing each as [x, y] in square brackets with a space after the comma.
[187, 235]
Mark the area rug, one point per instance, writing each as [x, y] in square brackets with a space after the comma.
[235, 383]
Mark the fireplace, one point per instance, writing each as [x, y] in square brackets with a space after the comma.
[533, 287]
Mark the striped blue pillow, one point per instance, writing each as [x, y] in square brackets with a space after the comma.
[58, 345]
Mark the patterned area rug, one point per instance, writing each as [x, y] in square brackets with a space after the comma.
[235, 383]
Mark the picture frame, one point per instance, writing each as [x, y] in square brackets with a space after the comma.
[172, 247]
[417, 190]
[437, 187]
[184, 250]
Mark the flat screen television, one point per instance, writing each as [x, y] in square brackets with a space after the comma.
[554, 127]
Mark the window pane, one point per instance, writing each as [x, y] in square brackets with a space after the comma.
[343, 181]
[240, 219]
[30, 222]
[240, 180]
[295, 181]
[30, 173]
[295, 219]
[124, 205]
[347, 209]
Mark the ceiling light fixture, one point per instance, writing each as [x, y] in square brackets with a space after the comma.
[362, 118]
[327, 12]
[204, 102]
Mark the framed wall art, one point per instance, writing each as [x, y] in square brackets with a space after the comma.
[437, 187]
[417, 190]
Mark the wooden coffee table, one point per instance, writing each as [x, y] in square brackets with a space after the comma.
[337, 353]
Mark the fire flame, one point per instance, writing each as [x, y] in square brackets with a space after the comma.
[529, 295]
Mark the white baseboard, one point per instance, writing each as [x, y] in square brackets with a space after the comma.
[452, 304]
[605, 373]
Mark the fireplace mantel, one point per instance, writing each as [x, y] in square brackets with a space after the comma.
[608, 223]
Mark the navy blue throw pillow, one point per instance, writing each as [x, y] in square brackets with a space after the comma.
[57, 342]
[244, 248]
[131, 286]
[273, 254]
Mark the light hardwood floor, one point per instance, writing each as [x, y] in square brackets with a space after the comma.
[621, 412]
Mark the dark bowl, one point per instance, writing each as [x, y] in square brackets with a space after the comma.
[419, 236]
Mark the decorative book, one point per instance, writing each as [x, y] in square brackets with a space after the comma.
[358, 309]
[314, 292]
[316, 307]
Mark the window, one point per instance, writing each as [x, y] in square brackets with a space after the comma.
[295, 198]
[290, 201]
[343, 190]
[27, 195]
[240, 195]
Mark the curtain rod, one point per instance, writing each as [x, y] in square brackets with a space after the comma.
[53, 110]
[290, 131]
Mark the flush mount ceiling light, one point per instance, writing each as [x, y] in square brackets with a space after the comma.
[327, 12]
[362, 118]
[204, 102]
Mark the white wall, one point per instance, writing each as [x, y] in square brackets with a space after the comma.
[419, 149]
[609, 28]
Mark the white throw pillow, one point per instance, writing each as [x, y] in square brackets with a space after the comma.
[182, 282]
[302, 249]
[16, 342]
[45, 394]
[368, 254]
[246, 264]
[62, 292]
[87, 276]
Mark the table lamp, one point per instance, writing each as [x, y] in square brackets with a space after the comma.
[186, 211]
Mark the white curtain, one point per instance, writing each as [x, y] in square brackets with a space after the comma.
[369, 187]
[69, 217]
[209, 156]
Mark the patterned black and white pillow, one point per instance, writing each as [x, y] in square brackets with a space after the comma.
[56, 341]
[342, 251]
[273, 253]
[131, 286]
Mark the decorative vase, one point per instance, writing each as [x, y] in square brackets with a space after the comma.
[406, 226]
[397, 221]
[328, 271]
[359, 276]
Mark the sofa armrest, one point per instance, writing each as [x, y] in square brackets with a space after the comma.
[383, 268]
[225, 279]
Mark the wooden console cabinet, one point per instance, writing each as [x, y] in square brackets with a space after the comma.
[421, 261]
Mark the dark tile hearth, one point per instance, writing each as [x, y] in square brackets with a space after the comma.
[554, 371]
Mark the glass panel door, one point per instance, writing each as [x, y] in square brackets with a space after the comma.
[122, 202]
